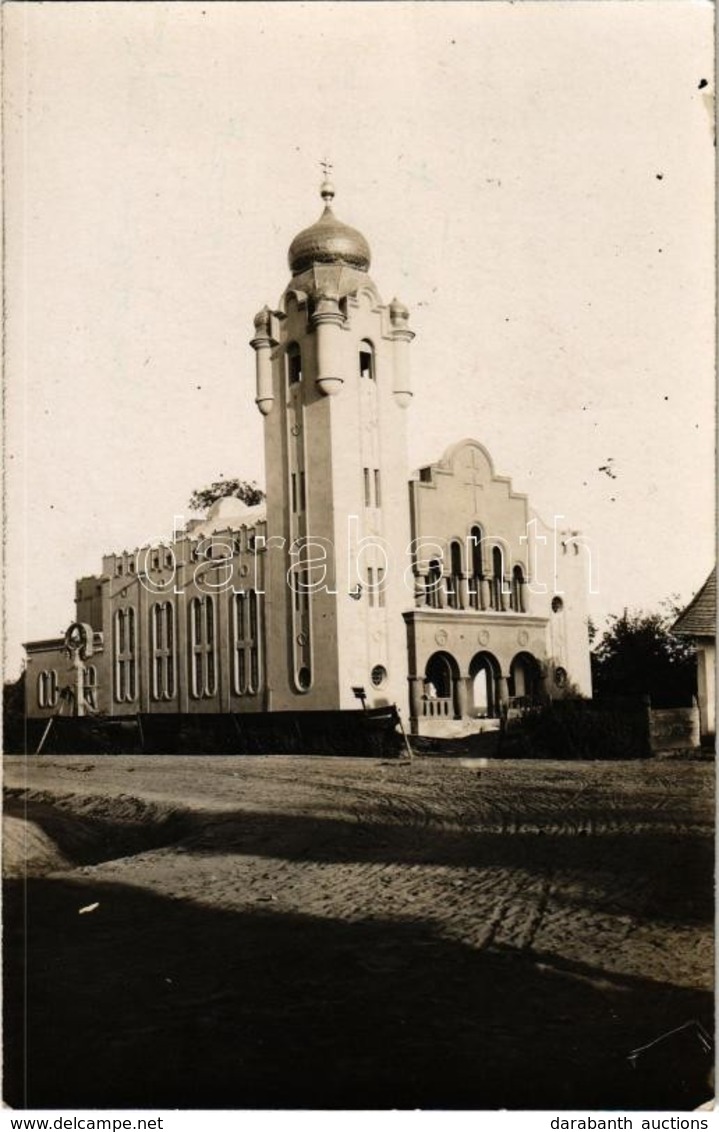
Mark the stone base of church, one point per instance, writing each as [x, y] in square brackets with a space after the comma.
[452, 728]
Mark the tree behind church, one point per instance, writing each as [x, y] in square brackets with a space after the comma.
[638, 655]
[203, 498]
[14, 715]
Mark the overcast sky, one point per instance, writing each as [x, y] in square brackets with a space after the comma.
[536, 182]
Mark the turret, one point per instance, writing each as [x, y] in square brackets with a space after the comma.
[263, 343]
[402, 335]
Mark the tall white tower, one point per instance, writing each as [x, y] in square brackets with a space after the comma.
[333, 385]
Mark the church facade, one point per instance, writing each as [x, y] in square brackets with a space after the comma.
[445, 595]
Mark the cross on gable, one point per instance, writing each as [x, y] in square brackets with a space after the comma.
[474, 480]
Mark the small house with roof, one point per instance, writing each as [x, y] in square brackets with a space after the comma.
[698, 622]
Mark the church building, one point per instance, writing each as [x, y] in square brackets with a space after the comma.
[445, 594]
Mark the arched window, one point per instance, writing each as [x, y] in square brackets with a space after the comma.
[294, 364]
[125, 656]
[474, 553]
[162, 645]
[47, 690]
[455, 563]
[366, 360]
[89, 686]
[518, 590]
[434, 581]
[203, 672]
[497, 577]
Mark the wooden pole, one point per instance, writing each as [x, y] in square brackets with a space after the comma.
[45, 734]
[410, 753]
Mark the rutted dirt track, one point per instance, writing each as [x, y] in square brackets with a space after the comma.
[291, 932]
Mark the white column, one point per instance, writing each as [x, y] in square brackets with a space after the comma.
[263, 344]
[328, 320]
[402, 336]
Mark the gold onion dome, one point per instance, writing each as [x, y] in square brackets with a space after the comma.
[329, 241]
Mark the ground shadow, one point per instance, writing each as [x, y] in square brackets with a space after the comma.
[672, 871]
[675, 870]
[149, 1002]
[87, 839]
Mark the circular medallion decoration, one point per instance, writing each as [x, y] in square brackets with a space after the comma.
[295, 430]
[441, 636]
[79, 639]
[244, 570]
[483, 636]
[522, 637]
[302, 639]
[377, 635]
[75, 636]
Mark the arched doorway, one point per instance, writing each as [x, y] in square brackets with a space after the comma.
[440, 676]
[524, 677]
[484, 673]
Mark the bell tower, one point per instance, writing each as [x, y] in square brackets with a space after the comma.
[333, 386]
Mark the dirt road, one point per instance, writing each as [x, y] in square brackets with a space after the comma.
[344, 933]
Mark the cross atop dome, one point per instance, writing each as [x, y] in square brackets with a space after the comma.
[327, 189]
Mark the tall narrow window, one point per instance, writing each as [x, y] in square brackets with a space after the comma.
[89, 686]
[455, 561]
[377, 490]
[294, 492]
[434, 581]
[162, 646]
[370, 586]
[367, 488]
[518, 590]
[246, 670]
[203, 676]
[47, 690]
[303, 501]
[477, 571]
[125, 667]
[380, 587]
[497, 577]
[301, 619]
[294, 364]
[366, 360]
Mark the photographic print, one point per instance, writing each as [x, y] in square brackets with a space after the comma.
[359, 589]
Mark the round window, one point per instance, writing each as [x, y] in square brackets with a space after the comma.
[379, 675]
[557, 605]
[560, 677]
[304, 678]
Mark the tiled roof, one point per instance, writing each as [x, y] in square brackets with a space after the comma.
[699, 617]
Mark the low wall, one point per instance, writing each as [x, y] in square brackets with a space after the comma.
[357, 733]
[674, 729]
